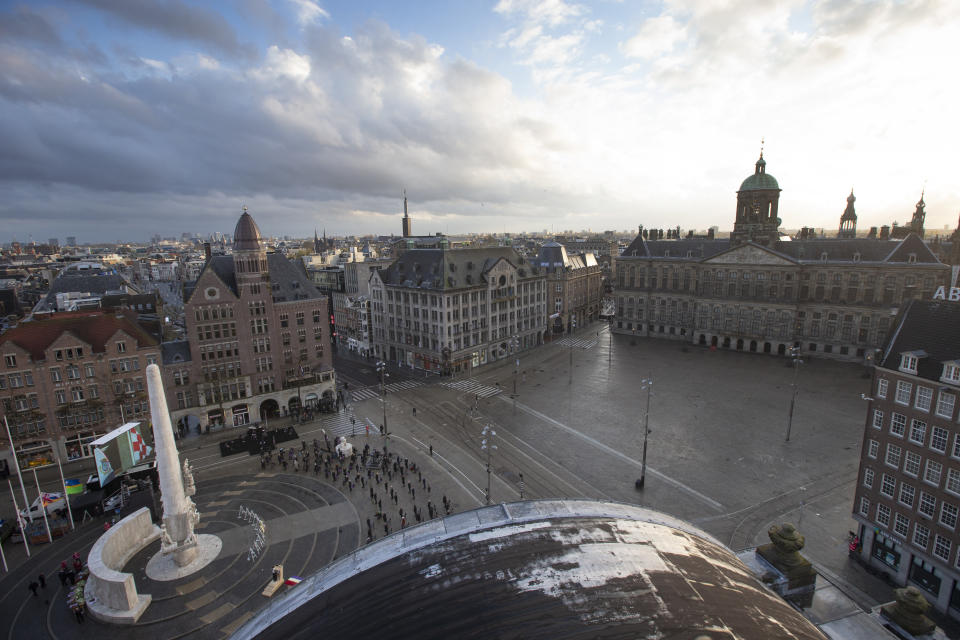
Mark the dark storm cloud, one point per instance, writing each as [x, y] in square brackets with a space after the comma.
[176, 20]
[23, 24]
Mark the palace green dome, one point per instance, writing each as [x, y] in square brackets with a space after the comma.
[760, 180]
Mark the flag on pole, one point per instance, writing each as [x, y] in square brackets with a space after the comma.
[292, 580]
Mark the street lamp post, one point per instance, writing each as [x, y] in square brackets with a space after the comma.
[382, 370]
[486, 444]
[795, 354]
[647, 384]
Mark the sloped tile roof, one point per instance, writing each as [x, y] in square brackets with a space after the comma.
[92, 327]
[929, 326]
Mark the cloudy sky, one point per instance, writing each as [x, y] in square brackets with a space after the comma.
[124, 118]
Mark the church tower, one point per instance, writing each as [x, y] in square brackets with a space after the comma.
[848, 221]
[916, 224]
[249, 257]
[757, 202]
[407, 231]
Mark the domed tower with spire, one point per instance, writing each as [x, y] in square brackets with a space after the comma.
[757, 203]
[848, 221]
[249, 256]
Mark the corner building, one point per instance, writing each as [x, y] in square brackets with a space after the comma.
[755, 292]
[258, 334]
[451, 310]
[907, 500]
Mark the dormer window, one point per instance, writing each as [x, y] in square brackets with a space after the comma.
[951, 372]
[912, 258]
[121, 347]
[856, 257]
[823, 257]
[908, 362]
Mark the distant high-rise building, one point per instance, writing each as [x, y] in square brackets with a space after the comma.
[71, 241]
[54, 242]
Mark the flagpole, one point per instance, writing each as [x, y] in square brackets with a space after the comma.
[4, 558]
[16, 464]
[23, 529]
[66, 496]
[43, 507]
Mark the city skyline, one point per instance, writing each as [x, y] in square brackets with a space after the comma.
[126, 120]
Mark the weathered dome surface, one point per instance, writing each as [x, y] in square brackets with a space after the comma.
[760, 180]
[246, 237]
[538, 569]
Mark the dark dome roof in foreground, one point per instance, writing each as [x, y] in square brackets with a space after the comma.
[246, 236]
[542, 569]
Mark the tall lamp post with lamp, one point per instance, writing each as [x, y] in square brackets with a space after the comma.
[486, 444]
[795, 354]
[382, 370]
[647, 385]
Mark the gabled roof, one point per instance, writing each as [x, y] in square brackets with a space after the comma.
[912, 244]
[288, 282]
[440, 269]
[929, 326]
[92, 327]
[175, 352]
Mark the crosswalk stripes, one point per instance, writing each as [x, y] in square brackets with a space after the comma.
[578, 342]
[369, 393]
[340, 425]
[475, 388]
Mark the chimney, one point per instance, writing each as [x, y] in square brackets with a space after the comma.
[206, 250]
[885, 232]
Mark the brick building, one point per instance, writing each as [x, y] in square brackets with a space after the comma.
[450, 310]
[574, 287]
[258, 339]
[68, 379]
[757, 292]
[907, 500]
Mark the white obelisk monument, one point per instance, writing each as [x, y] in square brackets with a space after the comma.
[180, 514]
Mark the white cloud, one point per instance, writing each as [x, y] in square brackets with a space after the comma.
[309, 12]
[657, 36]
[548, 12]
[284, 63]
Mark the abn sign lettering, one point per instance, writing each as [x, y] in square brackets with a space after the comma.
[952, 294]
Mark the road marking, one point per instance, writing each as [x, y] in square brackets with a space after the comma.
[452, 466]
[608, 449]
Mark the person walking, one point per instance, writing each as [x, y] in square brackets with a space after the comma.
[42, 580]
[33, 587]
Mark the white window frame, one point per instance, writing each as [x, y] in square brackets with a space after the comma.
[952, 485]
[908, 363]
[865, 507]
[895, 422]
[948, 515]
[941, 547]
[945, 404]
[933, 469]
[939, 434]
[907, 489]
[877, 419]
[910, 459]
[927, 505]
[924, 399]
[918, 426]
[882, 386]
[921, 532]
[883, 515]
[893, 456]
[900, 520]
[903, 393]
[868, 476]
[873, 449]
[888, 486]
